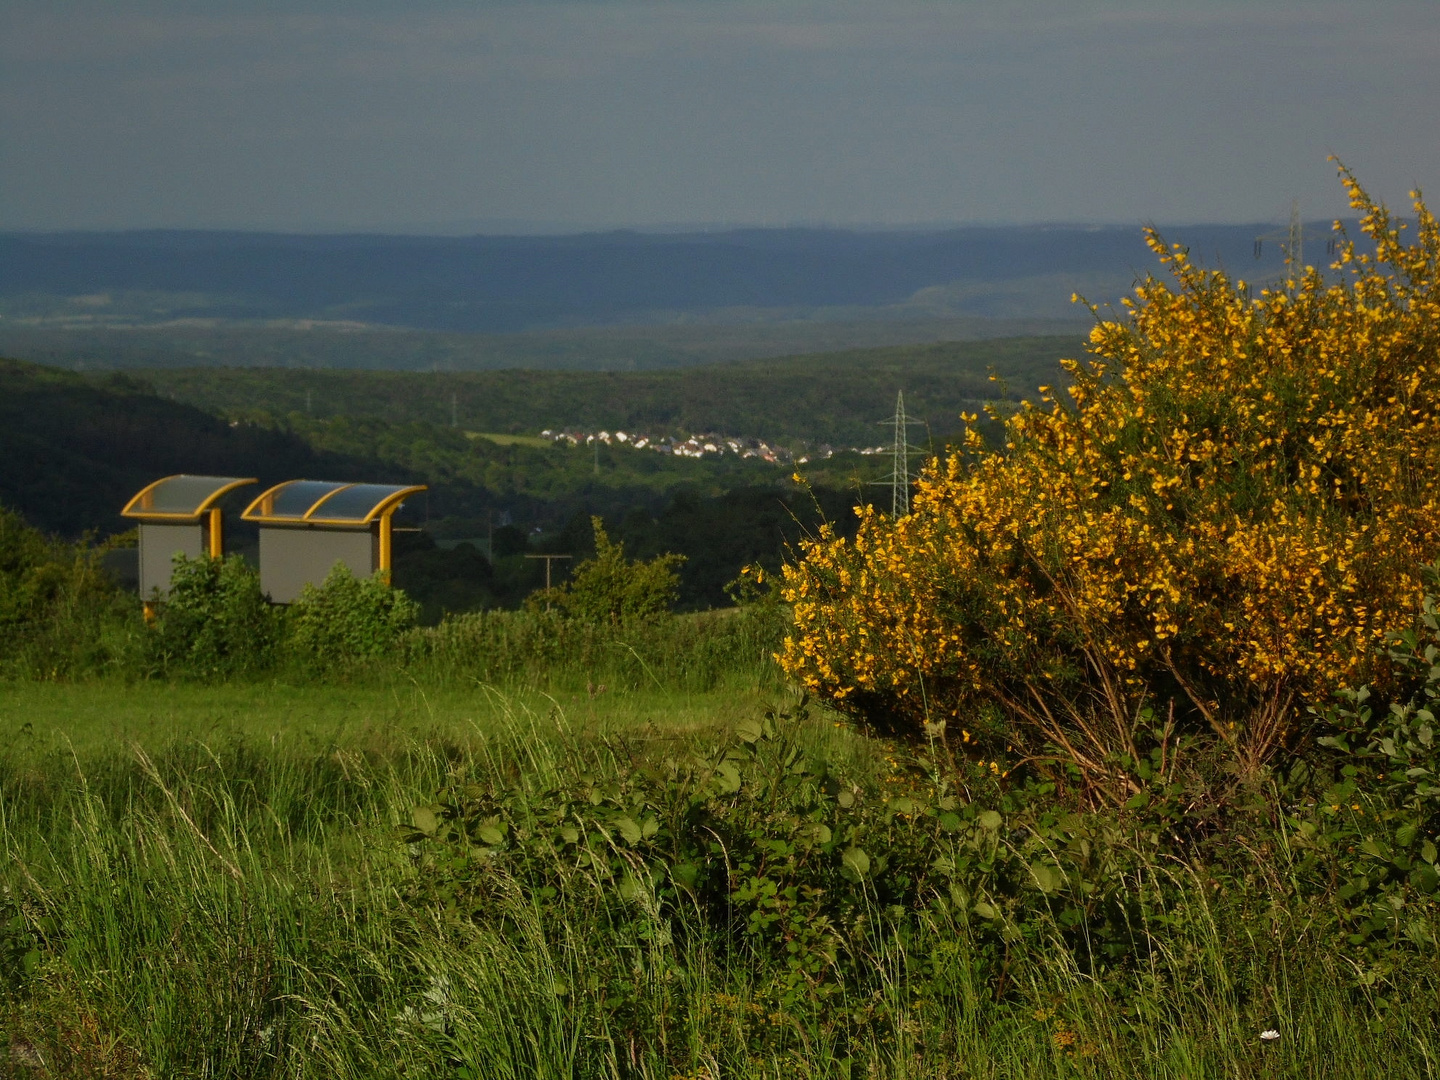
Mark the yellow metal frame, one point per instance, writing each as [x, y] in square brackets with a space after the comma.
[387, 543]
[381, 511]
[217, 533]
[207, 506]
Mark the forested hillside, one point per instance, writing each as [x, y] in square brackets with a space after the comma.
[80, 344]
[77, 446]
[75, 450]
[834, 398]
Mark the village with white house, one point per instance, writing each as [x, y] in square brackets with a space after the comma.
[698, 446]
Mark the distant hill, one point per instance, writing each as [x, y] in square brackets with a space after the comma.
[76, 446]
[74, 450]
[500, 284]
[602, 348]
[605, 301]
[832, 398]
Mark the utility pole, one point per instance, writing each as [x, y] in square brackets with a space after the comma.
[900, 452]
[548, 560]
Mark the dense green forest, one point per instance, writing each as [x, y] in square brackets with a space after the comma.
[818, 398]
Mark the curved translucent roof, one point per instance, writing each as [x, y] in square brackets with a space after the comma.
[325, 502]
[181, 498]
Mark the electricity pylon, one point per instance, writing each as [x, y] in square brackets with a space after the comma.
[900, 454]
[1292, 243]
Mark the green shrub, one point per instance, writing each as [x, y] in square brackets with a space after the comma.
[1379, 820]
[613, 589]
[55, 604]
[349, 619]
[215, 623]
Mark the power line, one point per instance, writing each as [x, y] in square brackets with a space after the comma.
[900, 453]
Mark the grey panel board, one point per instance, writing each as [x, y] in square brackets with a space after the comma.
[158, 546]
[294, 557]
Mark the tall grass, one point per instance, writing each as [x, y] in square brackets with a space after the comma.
[250, 910]
[695, 652]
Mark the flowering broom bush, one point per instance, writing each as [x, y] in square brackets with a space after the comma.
[1220, 522]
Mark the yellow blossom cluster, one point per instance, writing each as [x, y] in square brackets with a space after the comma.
[1222, 516]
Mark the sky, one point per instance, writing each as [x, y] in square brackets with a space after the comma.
[439, 116]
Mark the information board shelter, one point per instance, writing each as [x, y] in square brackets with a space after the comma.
[307, 526]
[179, 515]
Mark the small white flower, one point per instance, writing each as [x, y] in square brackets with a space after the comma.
[1269, 1035]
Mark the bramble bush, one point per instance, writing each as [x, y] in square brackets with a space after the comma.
[1218, 526]
[1379, 821]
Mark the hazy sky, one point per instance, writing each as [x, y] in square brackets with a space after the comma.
[306, 114]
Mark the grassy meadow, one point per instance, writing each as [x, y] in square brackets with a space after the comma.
[38, 719]
[224, 880]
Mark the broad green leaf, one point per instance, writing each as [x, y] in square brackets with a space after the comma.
[727, 778]
[990, 820]
[1047, 878]
[845, 799]
[985, 911]
[1405, 835]
[856, 859]
[628, 829]
[749, 731]
[424, 819]
[490, 834]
